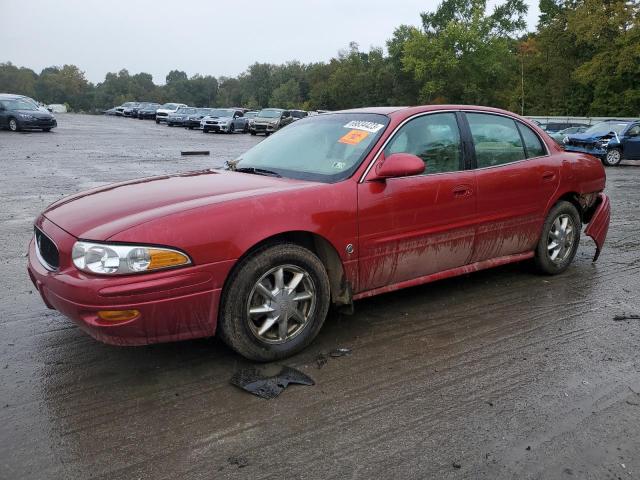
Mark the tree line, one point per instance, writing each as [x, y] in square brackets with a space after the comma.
[582, 59]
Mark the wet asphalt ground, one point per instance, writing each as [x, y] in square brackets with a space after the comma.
[501, 374]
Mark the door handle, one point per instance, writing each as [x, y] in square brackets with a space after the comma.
[462, 191]
[548, 176]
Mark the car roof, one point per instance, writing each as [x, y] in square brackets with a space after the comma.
[408, 111]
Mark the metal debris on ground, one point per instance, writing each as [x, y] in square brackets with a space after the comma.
[268, 381]
[195, 152]
[626, 316]
[340, 352]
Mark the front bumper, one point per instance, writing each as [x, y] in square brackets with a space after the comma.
[174, 305]
[591, 149]
[263, 128]
[215, 128]
[37, 123]
[191, 123]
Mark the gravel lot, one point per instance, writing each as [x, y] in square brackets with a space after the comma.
[498, 374]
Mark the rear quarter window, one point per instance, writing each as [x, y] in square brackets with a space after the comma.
[532, 143]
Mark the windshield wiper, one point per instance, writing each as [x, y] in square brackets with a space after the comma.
[256, 171]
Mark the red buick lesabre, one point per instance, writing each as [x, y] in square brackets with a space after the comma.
[331, 209]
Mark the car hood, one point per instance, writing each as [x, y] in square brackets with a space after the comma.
[35, 113]
[266, 119]
[100, 213]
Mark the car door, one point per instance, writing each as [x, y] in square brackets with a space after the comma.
[3, 115]
[631, 142]
[410, 227]
[238, 120]
[516, 178]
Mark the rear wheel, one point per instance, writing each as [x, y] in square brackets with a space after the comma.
[46, 129]
[253, 133]
[13, 125]
[559, 240]
[613, 157]
[274, 303]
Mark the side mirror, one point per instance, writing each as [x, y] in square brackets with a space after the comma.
[398, 165]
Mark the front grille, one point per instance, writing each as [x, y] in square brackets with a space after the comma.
[260, 127]
[47, 251]
[162, 114]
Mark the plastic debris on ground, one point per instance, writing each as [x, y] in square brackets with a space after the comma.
[268, 381]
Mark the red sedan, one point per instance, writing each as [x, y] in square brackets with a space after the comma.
[331, 209]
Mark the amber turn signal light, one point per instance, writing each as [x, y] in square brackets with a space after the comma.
[117, 315]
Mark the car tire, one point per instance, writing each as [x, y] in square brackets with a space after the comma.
[241, 329]
[46, 129]
[560, 238]
[246, 128]
[205, 130]
[158, 122]
[14, 126]
[612, 158]
[253, 133]
[231, 129]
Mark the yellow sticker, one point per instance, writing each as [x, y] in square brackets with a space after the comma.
[354, 137]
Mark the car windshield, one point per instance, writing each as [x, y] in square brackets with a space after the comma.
[221, 112]
[203, 111]
[19, 104]
[298, 114]
[603, 128]
[169, 106]
[269, 113]
[186, 110]
[250, 114]
[326, 148]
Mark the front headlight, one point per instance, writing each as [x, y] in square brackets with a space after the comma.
[274, 123]
[124, 259]
[26, 116]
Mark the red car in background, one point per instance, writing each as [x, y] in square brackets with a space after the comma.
[331, 209]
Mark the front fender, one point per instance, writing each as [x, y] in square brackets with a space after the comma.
[599, 224]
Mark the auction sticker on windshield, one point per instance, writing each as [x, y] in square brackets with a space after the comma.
[371, 127]
[354, 137]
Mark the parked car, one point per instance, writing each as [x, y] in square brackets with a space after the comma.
[611, 141]
[163, 112]
[120, 109]
[269, 120]
[111, 111]
[225, 120]
[553, 127]
[298, 114]
[131, 109]
[193, 121]
[335, 208]
[18, 113]
[560, 136]
[135, 110]
[148, 111]
[177, 118]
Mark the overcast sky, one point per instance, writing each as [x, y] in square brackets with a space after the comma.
[210, 37]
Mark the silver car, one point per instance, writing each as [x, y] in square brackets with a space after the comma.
[226, 120]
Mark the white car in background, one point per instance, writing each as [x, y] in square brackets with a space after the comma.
[163, 112]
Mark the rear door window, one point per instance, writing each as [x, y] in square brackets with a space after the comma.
[532, 143]
[496, 139]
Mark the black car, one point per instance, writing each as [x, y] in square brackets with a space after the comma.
[177, 119]
[148, 111]
[20, 114]
[193, 121]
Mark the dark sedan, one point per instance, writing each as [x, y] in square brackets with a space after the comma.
[193, 120]
[178, 118]
[148, 111]
[19, 114]
[611, 141]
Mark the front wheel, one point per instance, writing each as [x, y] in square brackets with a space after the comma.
[253, 133]
[13, 125]
[231, 129]
[613, 157]
[46, 129]
[274, 303]
[158, 122]
[560, 238]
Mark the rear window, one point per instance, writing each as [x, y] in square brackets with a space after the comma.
[532, 142]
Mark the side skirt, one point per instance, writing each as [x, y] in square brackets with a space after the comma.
[454, 272]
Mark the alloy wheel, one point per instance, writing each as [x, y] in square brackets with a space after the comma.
[281, 304]
[561, 239]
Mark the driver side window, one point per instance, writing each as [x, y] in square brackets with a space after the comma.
[634, 131]
[434, 138]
